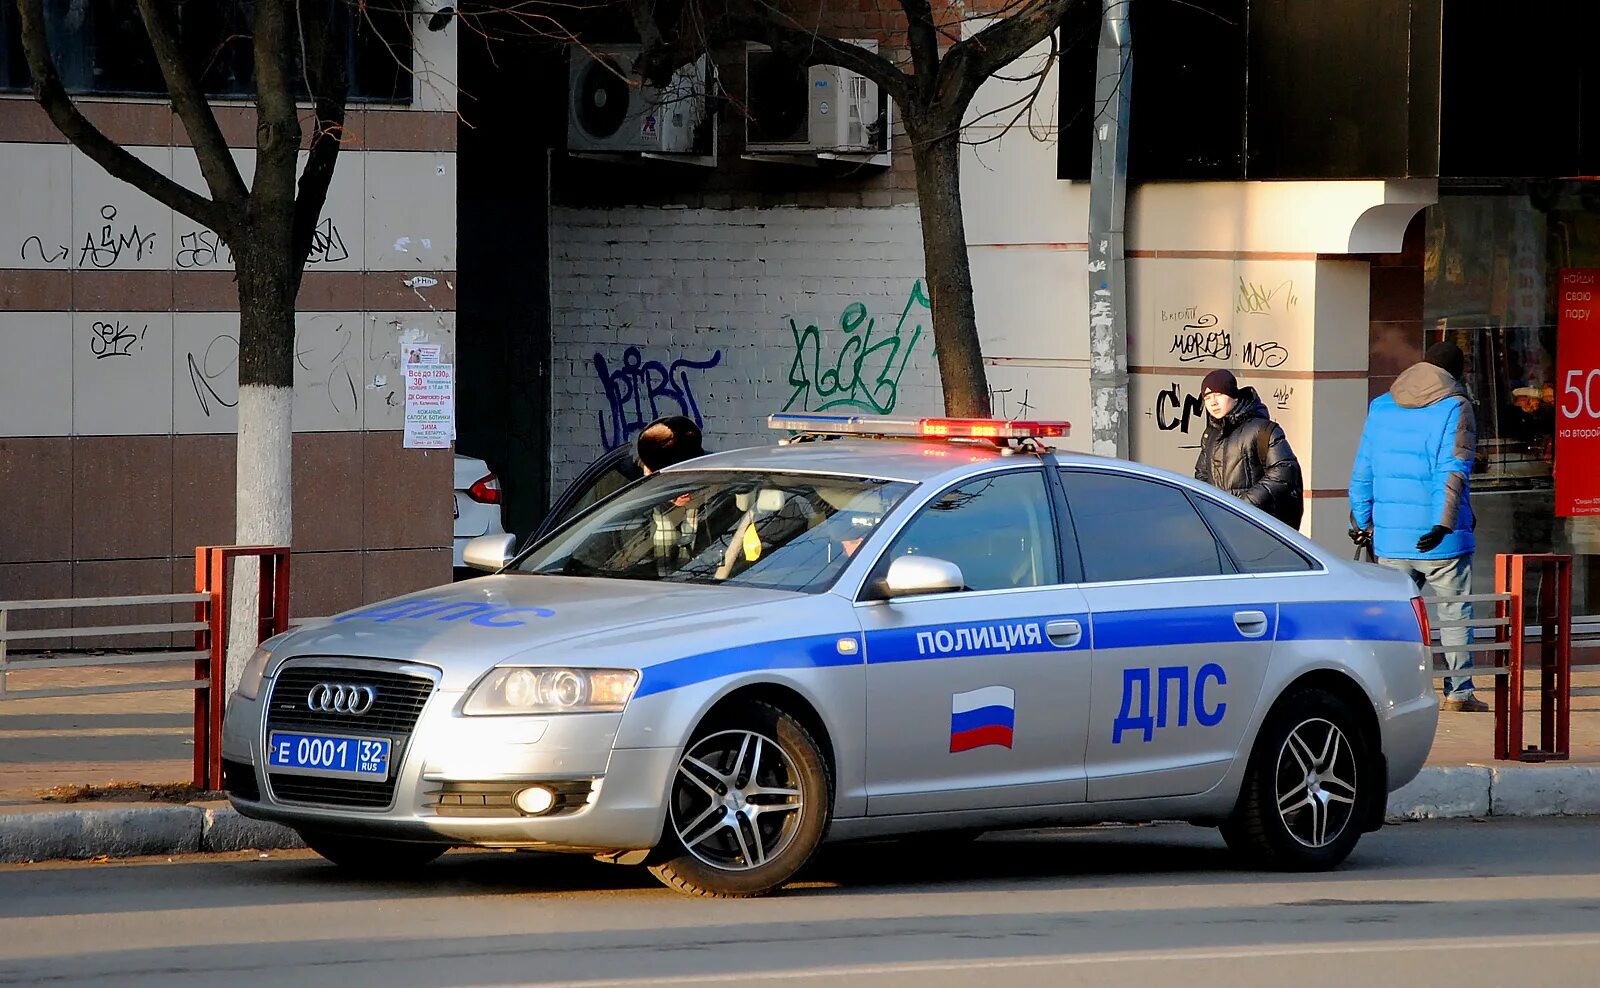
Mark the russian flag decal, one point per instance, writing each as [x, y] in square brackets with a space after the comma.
[982, 717]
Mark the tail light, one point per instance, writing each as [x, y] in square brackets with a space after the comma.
[1421, 608]
[486, 490]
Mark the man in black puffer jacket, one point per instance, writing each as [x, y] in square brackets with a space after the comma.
[1245, 453]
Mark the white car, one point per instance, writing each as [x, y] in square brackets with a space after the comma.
[477, 507]
[881, 627]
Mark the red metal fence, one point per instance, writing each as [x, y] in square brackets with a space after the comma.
[212, 572]
[1511, 637]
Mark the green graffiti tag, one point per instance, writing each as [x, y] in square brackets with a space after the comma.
[865, 372]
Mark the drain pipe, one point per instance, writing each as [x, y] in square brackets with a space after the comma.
[1108, 198]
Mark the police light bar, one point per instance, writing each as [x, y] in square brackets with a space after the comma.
[821, 423]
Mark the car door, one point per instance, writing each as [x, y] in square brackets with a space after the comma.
[979, 698]
[1181, 638]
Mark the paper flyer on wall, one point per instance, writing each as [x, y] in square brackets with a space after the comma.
[430, 405]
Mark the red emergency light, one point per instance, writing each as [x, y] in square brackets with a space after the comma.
[821, 423]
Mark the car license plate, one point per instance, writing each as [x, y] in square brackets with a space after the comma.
[329, 755]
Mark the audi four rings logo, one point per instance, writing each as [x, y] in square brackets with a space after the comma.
[339, 698]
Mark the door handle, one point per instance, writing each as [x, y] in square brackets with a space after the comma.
[1251, 624]
[1065, 634]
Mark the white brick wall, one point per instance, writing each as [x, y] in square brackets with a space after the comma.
[689, 286]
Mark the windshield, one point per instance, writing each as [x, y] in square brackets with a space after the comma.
[774, 531]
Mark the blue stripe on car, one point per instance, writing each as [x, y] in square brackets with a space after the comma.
[814, 652]
[1349, 620]
[1175, 626]
[1356, 620]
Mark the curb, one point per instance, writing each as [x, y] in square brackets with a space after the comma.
[135, 829]
[1443, 793]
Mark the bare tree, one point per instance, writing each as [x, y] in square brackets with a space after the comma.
[932, 86]
[298, 46]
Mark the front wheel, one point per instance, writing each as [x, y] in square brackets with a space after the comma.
[750, 803]
[1307, 788]
[372, 856]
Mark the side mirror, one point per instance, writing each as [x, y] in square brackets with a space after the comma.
[489, 553]
[914, 575]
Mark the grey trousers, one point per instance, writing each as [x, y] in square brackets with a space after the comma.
[1448, 578]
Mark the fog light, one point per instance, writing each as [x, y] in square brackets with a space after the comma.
[535, 800]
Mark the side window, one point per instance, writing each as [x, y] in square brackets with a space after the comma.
[1130, 528]
[1255, 549]
[998, 529]
[604, 486]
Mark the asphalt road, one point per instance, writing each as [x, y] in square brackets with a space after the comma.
[1492, 903]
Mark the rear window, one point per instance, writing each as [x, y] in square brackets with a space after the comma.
[1254, 549]
[1130, 528]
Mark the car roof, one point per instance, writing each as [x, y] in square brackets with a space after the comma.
[912, 460]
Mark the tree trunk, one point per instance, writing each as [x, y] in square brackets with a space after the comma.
[264, 480]
[944, 248]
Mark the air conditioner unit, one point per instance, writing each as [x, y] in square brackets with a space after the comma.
[811, 110]
[609, 109]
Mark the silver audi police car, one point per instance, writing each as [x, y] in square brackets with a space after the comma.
[874, 628]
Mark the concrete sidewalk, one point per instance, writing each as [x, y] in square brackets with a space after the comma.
[53, 744]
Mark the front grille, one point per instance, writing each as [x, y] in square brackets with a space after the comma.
[239, 779]
[399, 703]
[400, 699]
[333, 792]
[494, 799]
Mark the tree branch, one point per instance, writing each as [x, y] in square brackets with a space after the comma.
[328, 80]
[221, 172]
[277, 118]
[968, 63]
[923, 38]
[86, 137]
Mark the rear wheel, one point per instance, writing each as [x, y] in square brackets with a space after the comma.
[750, 802]
[372, 856]
[1307, 788]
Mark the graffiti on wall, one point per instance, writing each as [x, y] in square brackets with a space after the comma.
[106, 247]
[639, 391]
[1177, 410]
[1256, 299]
[115, 338]
[863, 372]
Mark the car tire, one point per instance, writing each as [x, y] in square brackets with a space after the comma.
[1307, 788]
[372, 856]
[750, 802]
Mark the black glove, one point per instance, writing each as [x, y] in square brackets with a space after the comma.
[1431, 541]
[1361, 536]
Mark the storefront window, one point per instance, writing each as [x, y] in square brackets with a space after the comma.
[101, 48]
[1490, 285]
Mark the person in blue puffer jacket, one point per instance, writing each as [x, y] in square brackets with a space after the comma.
[1410, 493]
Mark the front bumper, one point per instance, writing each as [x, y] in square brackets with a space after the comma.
[447, 753]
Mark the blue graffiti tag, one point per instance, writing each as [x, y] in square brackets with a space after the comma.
[637, 390]
[865, 374]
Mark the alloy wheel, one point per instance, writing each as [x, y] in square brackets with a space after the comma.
[737, 800]
[1316, 783]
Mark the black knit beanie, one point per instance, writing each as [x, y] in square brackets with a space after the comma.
[1448, 356]
[1222, 382]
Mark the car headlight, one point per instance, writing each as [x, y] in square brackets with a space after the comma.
[551, 690]
[254, 672]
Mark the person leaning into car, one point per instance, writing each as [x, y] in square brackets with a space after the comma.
[668, 440]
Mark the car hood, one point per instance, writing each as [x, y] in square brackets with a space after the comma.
[465, 628]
